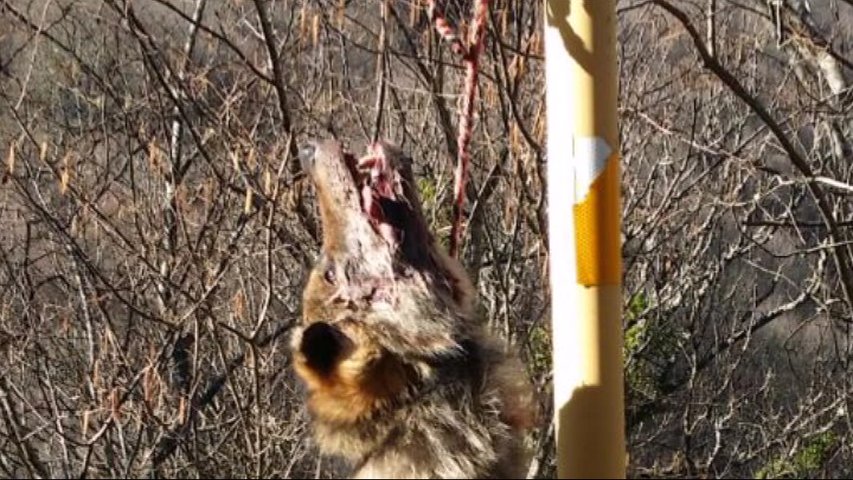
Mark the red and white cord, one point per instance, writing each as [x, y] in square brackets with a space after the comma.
[470, 58]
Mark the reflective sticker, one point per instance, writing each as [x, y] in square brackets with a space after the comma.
[589, 157]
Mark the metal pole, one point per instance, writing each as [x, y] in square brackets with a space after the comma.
[585, 242]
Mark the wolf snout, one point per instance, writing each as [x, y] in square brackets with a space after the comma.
[306, 156]
[323, 345]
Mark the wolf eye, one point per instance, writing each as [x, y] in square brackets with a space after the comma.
[329, 274]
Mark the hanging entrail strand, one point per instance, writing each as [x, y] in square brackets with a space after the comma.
[470, 52]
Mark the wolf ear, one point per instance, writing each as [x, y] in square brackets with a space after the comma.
[323, 346]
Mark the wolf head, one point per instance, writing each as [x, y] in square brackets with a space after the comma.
[383, 304]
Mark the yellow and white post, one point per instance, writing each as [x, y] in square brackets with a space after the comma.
[585, 216]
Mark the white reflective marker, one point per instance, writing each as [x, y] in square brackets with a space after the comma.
[589, 157]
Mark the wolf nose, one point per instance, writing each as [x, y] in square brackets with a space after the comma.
[306, 156]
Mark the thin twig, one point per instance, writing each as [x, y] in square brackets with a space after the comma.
[380, 74]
